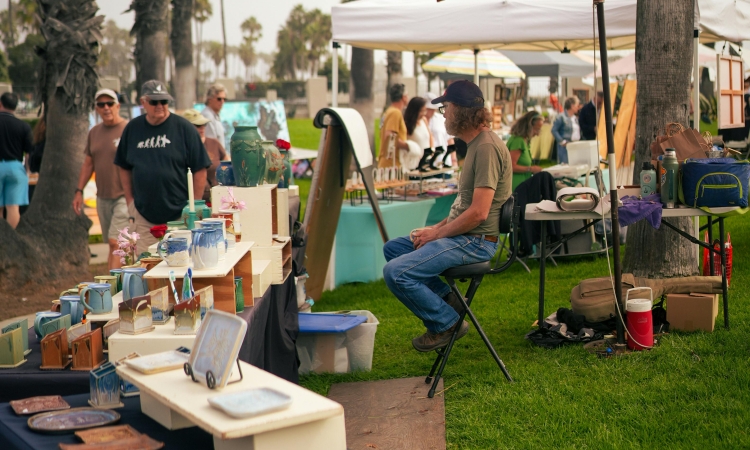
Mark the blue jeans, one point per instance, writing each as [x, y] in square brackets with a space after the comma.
[562, 154]
[412, 275]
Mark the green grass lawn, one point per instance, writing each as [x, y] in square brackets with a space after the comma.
[303, 133]
[691, 391]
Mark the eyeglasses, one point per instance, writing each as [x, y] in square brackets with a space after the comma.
[103, 104]
[441, 109]
[221, 99]
[158, 102]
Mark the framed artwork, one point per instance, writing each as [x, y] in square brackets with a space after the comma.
[730, 90]
[216, 348]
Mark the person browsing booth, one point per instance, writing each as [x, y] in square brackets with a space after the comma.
[470, 233]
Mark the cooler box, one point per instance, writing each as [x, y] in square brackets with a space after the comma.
[338, 343]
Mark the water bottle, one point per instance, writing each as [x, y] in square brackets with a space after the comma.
[669, 170]
[648, 179]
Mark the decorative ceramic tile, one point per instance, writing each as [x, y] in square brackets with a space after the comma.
[251, 403]
[107, 434]
[158, 362]
[33, 405]
[217, 345]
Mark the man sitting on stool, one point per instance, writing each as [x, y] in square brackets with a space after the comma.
[470, 233]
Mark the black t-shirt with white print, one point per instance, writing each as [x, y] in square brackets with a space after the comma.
[159, 157]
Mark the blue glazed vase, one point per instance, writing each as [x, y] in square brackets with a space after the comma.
[225, 173]
[248, 156]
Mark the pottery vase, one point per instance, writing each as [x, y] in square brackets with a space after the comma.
[225, 173]
[274, 163]
[287, 177]
[248, 156]
[202, 211]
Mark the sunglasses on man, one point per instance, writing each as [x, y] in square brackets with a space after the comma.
[158, 102]
[103, 104]
[221, 99]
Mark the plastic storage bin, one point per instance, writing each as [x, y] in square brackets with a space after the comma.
[322, 349]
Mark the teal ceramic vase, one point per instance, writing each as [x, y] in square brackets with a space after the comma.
[287, 178]
[274, 163]
[248, 156]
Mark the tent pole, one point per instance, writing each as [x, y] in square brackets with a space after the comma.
[696, 83]
[476, 66]
[335, 76]
[612, 174]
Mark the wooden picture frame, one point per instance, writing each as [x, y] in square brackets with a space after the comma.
[730, 91]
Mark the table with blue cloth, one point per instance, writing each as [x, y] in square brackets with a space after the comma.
[16, 434]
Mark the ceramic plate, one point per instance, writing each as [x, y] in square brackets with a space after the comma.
[107, 434]
[251, 403]
[159, 362]
[61, 422]
[33, 405]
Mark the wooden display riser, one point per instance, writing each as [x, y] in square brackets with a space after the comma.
[238, 263]
[280, 255]
[259, 221]
[311, 422]
[160, 340]
[262, 277]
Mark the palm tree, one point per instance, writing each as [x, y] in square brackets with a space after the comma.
[150, 30]
[252, 31]
[318, 35]
[181, 40]
[202, 11]
[224, 40]
[215, 51]
[50, 244]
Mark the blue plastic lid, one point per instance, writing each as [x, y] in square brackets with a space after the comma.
[328, 323]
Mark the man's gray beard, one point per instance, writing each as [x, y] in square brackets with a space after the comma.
[450, 128]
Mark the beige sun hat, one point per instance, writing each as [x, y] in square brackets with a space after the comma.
[194, 117]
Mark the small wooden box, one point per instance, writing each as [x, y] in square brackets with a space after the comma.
[87, 351]
[135, 315]
[11, 349]
[258, 220]
[280, 255]
[55, 350]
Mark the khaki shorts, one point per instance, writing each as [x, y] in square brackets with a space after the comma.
[143, 228]
[113, 215]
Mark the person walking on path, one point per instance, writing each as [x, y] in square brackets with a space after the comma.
[154, 155]
[470, 233]
[214, 148]
[215, 99]
[15, 141]
[101, 147]
[566, 129]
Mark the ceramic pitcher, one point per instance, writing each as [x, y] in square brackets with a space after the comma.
[100, 298]
[133, 284]
[71, 304]
[204, 250]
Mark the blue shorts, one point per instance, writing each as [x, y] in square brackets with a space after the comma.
[14, 184]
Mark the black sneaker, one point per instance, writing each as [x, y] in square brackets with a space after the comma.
[429, 341]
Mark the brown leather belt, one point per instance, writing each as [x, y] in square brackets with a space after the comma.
[486, 237]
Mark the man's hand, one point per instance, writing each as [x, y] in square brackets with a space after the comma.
[424, 236]
[77, 202]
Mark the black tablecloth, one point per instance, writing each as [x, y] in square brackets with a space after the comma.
[15, 433]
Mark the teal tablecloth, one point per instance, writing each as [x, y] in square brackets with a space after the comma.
[359, 247]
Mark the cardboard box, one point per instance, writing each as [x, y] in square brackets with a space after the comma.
[691, 312]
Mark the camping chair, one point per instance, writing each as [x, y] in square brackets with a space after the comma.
[509, 217]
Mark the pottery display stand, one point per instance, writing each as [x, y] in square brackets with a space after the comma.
[11, 349]
[162, 339]
[238, 263]
[23, 324]
[262, 277]
[260, 218]
[280, 255]
[55, 350]
[311, 422]
[87, 351]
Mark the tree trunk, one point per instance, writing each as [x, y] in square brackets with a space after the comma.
[181, 40]
[150, 30]
[360, 93]
[663, 60]
[393, 70]
[50, 245]
[224, 41]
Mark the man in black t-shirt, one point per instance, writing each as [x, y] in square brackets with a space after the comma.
[154, 155]
[15, 140]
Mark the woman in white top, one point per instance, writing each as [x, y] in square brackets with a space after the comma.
[417, 130]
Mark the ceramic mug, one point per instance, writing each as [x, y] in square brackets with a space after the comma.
[174, 251]
[205, 248]
[72, 291]
[71, 304]
[117, 273]
[83, 285]
[133, 284]
[100, 298]
[219, 225]
[109, 279]
[42, 318]
[179, 234]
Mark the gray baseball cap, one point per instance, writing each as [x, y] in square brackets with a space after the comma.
[155, 90]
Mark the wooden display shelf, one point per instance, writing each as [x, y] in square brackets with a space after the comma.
[312, 422]
[280, 255]
[161, 339]
[238, 262]
[259, 219]
[261, 277]
[282, 212]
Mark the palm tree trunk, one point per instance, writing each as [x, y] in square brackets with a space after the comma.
[224, 37]
[150, 29]
[394, 71]
[181, 39]
[663, 34]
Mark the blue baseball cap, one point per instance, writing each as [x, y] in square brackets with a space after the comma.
[463, 93]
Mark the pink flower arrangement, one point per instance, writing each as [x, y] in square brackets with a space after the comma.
[229, 202]
[127, 244]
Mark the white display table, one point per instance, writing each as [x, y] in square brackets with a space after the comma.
[161, 339]
[237, 263]
[311, 422]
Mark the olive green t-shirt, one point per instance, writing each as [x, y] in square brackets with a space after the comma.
[487, 164]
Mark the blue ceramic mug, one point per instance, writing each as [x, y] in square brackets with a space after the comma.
[174, 251]
[71, 304]
[133, 284]
[42, 318]
[205, 248]
[219, 225]
[100, 298]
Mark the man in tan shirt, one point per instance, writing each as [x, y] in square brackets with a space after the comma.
[393, 126]
[469, 235]
[101, 147]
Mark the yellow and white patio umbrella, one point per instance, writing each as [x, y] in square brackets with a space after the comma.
[488, 63]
